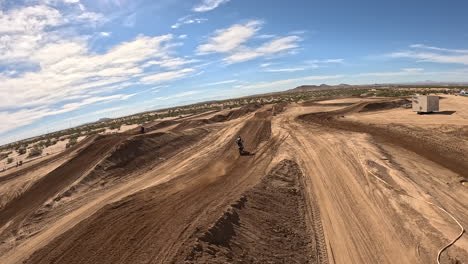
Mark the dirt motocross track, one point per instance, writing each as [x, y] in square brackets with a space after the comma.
[331, 181]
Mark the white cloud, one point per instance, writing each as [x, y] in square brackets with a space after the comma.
[403, 72]
[285, 70]
[423, 53]
[14, 119]
[188, 20]
[233, 41]
[208, 5]
[282, 83]
[298, 32]
[184, 94]
[29, 19]
[265, 36]
[70, 76]
[326, 61]
[183, 36]
[229, 39]
[263, 65]
[279, 45]
[166, 76]
[421, 46]
[49, 69]
[170, 63]
[270, 48]
[89, 17]
[221, 82]
[24, 30]
[432, 57]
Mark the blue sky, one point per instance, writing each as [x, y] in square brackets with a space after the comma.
[66, 62]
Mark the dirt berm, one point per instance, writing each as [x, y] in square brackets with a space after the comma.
[443, 150]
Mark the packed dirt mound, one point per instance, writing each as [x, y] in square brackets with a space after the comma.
[137, 153]
[152, 225]
[192, 124]
[279, 108]
[315, 101]
[266, 225]
[236, 113]
[32, 167]
[57, 180]
[385, 105]
[160, 125]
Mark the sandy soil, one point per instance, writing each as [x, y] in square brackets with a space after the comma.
[320, 182]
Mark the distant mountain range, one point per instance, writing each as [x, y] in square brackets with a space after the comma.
[307, 88]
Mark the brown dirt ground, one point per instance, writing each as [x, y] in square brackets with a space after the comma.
[325, 182]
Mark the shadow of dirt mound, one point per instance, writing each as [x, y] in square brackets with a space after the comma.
[266, 225]
[385, 105]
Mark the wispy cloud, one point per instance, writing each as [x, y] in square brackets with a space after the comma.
[423, 53]
[14, 119]
[422, 46]
[229, 39]
[265, 36]
[55, 71]
[178, 95]
[221, 82]
[285, 70]
[207, 5]
[402, 72]
[166, 76]
[233, 42]
[188, 20]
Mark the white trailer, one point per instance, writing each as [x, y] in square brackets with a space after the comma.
[425, 103]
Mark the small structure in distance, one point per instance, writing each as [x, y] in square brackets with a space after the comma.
[425, 103]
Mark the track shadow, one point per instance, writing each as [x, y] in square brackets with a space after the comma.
[246, 153]
[443, 113]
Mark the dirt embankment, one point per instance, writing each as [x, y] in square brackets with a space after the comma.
[429, 144]
[193, 123]
[266, 225]
[55, 181]
[236, 113]
[133, 155]
[152, 225]
[31, 167]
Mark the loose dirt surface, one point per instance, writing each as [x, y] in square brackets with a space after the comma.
[344, 180]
